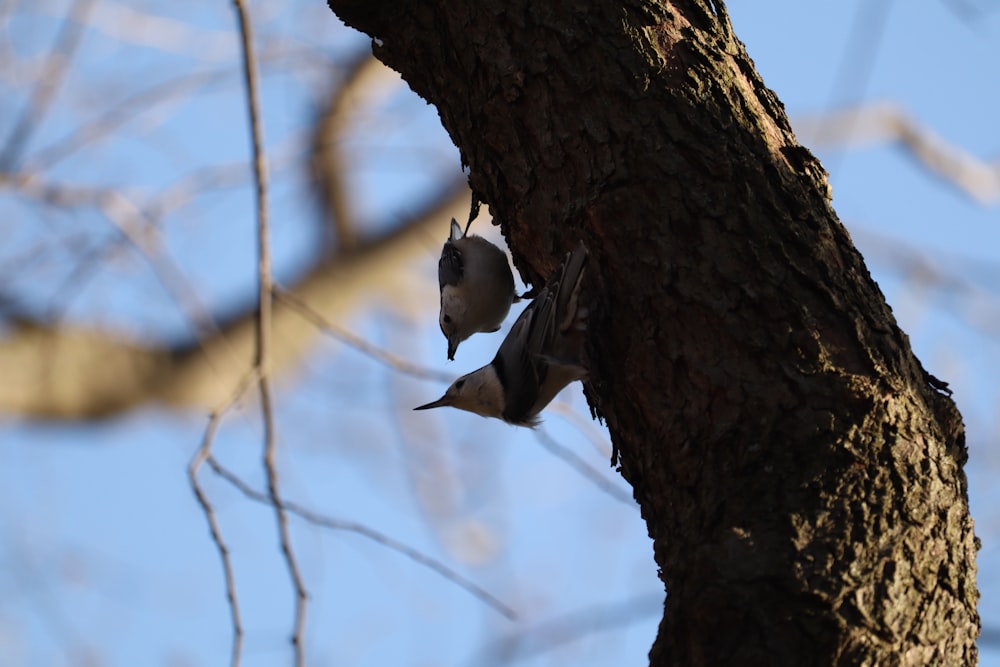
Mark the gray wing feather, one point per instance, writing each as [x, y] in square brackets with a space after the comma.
[450, 266]
[526, 355]
[518, 368]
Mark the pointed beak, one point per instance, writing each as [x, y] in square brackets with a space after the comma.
[453, 342]
[440, 403]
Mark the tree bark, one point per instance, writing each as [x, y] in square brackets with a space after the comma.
[799, 472]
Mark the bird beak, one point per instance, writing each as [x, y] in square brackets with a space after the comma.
[453, 342]
[440, 403]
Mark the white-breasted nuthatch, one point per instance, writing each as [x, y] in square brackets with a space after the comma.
[539, 356]
[477, 287]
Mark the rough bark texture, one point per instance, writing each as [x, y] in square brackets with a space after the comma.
[799, 473]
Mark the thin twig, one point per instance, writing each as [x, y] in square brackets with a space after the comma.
[582, 467]
[263, 359]
[205, 453]
[330, 165]
[357, 342]
[360, 529]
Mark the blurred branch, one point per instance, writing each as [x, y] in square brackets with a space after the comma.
[858, 58]
[122, 111]
[262, 363]
[571, 627]
[989, 636]
[360, 529]
[145, 237]
[976, 306]
[969, 12]
[384, 357]
[365, 78]
[67, 372]
[131, 25]
[586, 470]
[64, 371]
[48, 83]
[215, 177]
[139, 231]
[585, 425]
[887, 123]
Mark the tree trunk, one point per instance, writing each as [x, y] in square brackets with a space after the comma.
[799, 472]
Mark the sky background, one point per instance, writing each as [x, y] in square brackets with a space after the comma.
[105, 557]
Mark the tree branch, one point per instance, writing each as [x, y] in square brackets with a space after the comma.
[371, 534]
[587, 471]
[887, 123]
[204, 453]
[68, 372]
[365, 77]
[262, 362]
[48, 83]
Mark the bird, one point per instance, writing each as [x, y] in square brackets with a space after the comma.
[477, 287]
[540, 355]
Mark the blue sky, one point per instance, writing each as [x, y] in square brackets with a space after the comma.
[104, 553]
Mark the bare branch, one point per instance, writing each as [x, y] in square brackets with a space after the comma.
[977, 307]
[48, 82]
[989, 636]
[858, 58]
[584, 424]
[367, 76]
[204, 453]
[887, 123]
[71, 372]
[136, 228]
[215, 177]
[556, 632]
[120, 112]
[365, 531]
[589, 473]
[265, 290]
[145, 238]
[385, 357]
[131, 25]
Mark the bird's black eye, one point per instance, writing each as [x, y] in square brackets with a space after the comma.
[459, 384]
[447, 319]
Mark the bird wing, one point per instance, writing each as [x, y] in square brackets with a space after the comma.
[524, 359]
[517, 368]
[450, 266]
[539, 331]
